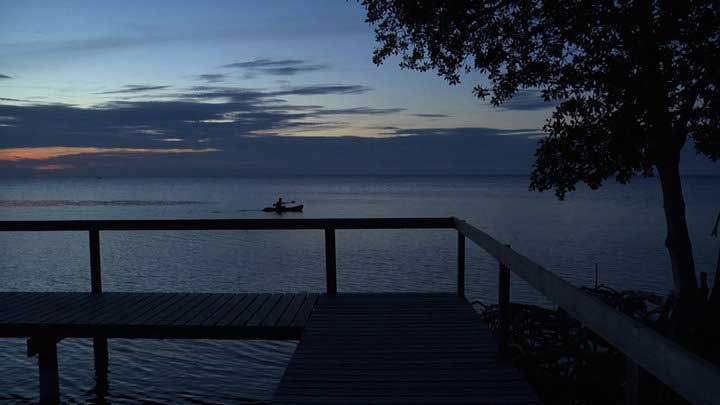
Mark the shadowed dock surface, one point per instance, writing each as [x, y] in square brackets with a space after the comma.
[398, 349]
[354, 348]
[155, 315]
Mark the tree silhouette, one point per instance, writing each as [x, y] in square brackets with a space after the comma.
[633, 81]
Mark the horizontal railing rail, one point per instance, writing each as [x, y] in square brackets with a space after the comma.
[329, 225]
[229, 224]
[689, 375]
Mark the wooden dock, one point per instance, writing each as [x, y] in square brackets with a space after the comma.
[399, 349]
[354, 348]
[155, 315]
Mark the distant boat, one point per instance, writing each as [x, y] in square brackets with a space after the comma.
[294, 208]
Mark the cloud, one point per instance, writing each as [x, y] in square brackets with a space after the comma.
[244, 129]
[212, 77]
[384, 127]
[243, 95]
[5, 77]
[49, 51]
[322, 89]
[458, 151]
[360, 111]
[275, 67]
[467, 131]
[207, 116]
[432, 115]
[263, 63]
[221, 130]
[135, 88]
[527, 100]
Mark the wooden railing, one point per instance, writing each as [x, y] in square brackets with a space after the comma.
[696, 379]
[94, 227]
[689, 375]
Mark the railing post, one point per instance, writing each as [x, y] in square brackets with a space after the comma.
[461, 265]
[330, 270]
[100, 344]
[503, 308]
[632, 383]
[637, 384]
[95, 273]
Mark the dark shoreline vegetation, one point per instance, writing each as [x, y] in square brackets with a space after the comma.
[568, 364]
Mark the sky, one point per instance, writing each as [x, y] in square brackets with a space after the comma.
[235, 88]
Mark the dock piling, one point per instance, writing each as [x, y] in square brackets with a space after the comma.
[46, 350]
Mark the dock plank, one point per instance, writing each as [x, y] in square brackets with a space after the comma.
[262, 312]
[187, 302]
[14, 301]
[146, 315]
[151, 316]
[125, 313]
[305, 310]
[279, 309]
[247, 312]
[398, 349]
[237, 302]
[292, 310]
[210, 310]
[38, 307]
[193, 312]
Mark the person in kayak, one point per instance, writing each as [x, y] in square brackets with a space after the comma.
[279, 204]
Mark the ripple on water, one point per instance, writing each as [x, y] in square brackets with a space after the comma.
[157, 371]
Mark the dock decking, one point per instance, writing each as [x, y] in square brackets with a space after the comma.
[354, 348]
[399, 349]
[155, 315]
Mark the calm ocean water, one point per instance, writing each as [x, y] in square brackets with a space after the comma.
[619, 228]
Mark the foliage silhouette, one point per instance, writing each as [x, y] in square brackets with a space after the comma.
[632, 82]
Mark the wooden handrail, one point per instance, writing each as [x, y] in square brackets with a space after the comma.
[229, 224]
[689, 375]
[329, 225]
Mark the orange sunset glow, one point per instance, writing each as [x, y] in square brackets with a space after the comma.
[49, 152]
[53, 166]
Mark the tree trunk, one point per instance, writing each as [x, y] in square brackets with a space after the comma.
[687, 312]
[712, 349]
[678, 238]
[714, 299]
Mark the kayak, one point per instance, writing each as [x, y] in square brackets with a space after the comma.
[296, 208]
